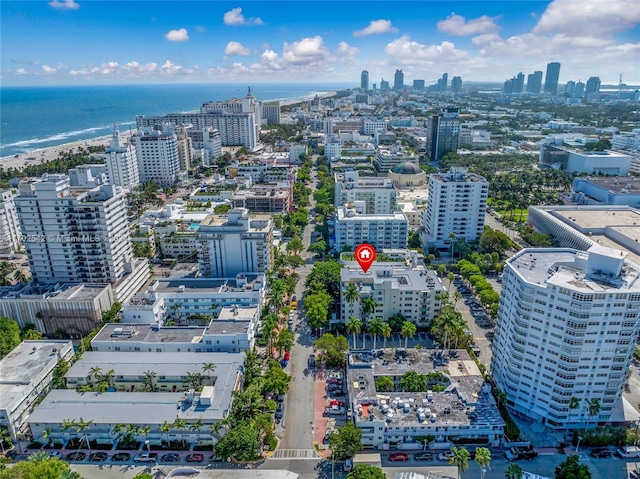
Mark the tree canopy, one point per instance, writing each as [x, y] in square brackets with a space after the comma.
[49, 468]
[365, 471]
[241, 441]
[9, 335]
[345, 441]
[572, 469]
[333, 348]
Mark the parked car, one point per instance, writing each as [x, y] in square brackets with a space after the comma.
[56, 454]
[76, 456]
[398, 456]
[287, 355]
[146, 457]
[526, 453]
[445, 456]
[423, 456]
[311, 362]
[121, 457]
[171, 457]
[284, 363]
[279, 414]
[196, 457]
[335, 410]
[98, 456]
[601, 452]
[334, 381]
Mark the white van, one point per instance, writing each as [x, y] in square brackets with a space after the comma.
[628, 451]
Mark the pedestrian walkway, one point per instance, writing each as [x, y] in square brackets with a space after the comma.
[294, 454]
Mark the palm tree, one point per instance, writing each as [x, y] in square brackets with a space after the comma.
[39, 457]
[95, 371]
[514, 471]
[386, 333]
[208, 368]
[501, 397]
[46, 435]
[352, 293]
[148, 378]
[368, 306]
[594, 407]
[4, 437]
[119, 431]
[68, 424]
[452, 237]
[81, 427]
[460, 458]
[215, 430]
[450, 277]
[194, 380]
[144, 432]
[166, 428]
[180, 425]
[109, 375]
[32, 334]
[457, 296]
[408, 331]
[354, 326]
[483, 458]
[375, 328]
[574, 403]
[196, 427]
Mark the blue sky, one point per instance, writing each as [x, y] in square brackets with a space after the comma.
[67, 42]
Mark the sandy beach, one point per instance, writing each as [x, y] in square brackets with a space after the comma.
[42, 155]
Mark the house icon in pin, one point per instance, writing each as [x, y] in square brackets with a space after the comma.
[365, 254]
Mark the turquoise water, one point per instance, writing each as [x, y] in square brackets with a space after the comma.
[194, 226]
[41, 117]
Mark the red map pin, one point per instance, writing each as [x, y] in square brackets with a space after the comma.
[365, 256]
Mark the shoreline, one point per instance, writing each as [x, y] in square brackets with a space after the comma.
[38, 156]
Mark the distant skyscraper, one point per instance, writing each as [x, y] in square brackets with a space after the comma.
[518, 85]
[442, 83]
[534, 82]
[364, 80]
[579, 93]
[570, 88]
[507, 88]
[551, 78]
[418, 84]
[122, 162]
[384, 85]
[593, 86]
[456, 84]
[443, 133]
[398, 80]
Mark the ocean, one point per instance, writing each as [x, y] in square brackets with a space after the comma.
[40, 117]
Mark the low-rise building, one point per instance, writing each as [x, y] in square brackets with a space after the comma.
[401, 286]
[458, 406]
[626, 140]
[75, 309]
[263, 199]
[606, 191]
[579, 161]
[26, 374]
[388, 157]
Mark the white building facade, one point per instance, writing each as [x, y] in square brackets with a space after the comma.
[121, 161]
[457, 204]
[353, 227]
[378, 194]
[567, 326]
[235, 243]
[10, 235]
[158, 156]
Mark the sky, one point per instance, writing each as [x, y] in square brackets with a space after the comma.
[81, 42]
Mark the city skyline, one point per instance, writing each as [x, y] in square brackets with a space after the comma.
[64, 42]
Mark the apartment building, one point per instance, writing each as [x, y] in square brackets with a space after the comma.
[455, 209]
[378, 193]
[262, 199]
[158, 155]
[10, 235]
[353, 226]
[235, 243]
[388, 157]
[121, 160]
[567, 326]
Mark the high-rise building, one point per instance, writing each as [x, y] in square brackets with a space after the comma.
[122, 162]
[353, 227]
[518, 85]
[443, 82]
[271, 112]
[158, 155]
[384, 85]
[456, 84]
[551, 78]
[570, 88]
[579, 92]
[456, 207]
[418, 84]
[364, 80]
[398, 80]
[235, 243]
[378, 193]
[74, 235]
[567, 325]
[442, 132]
[10, 236]
[534, 82]
[593, 86]
[507, 87]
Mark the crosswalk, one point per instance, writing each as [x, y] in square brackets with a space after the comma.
[294, 454]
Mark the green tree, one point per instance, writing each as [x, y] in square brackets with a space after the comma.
[40, 468]
[241, 442]
[594, 407]
[351, 293]
[295, 245]
[411, 381]
[408, 331]
[368, 306]
[275, 379]
[325, 276]
[354, 326]
[345, 441]
[143, 475]
[333, 349]
[386, 333]
[285, 340]
[209, 368]
[375, 327]
[384, 384]
[513, 471]
[9, 335]
[574, 403]
[572, 469]
[460, 459]
[483, 458]
[365, 471]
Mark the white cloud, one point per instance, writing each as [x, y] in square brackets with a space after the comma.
[235, 17]
[48, 69]
[376, 27]
[595, 17]
[64, 5]
[405, 51]
[200, 29]
[346, 50]
[457, 25]
[306, 51]
[21, 71]
[180, 35]
[236, 48]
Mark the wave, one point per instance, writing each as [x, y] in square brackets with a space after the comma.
[61, 136]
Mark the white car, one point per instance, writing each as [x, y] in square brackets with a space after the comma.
[56, 454]
[146, 457]
[445, 456]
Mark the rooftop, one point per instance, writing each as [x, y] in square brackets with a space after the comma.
[404, 277]
[54, 292]
[618, 184]
[587, 219]
[25, 367]
[147, 333]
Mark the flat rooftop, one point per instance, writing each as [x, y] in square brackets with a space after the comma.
[618, 184]
[402, 277]
[127, 408]
[164, 364]
[24, 367]
[587, 219]
[55, 292]
[147, 333]
[209, 285]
